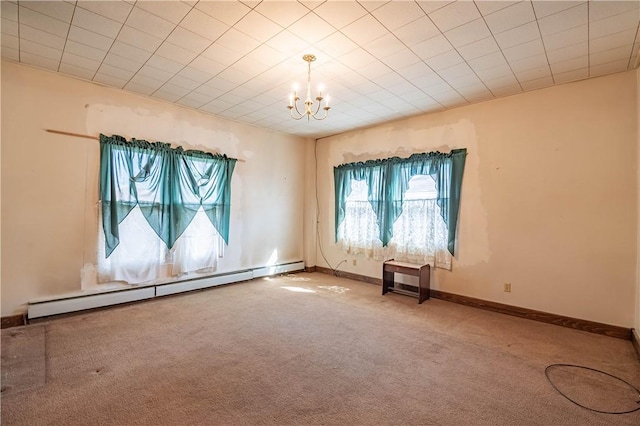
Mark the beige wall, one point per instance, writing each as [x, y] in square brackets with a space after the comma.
[49, 182]
[637, 316]
[548, 197]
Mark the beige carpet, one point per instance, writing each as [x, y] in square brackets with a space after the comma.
[306, 349]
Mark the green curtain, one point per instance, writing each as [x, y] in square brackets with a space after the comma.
[388, 180]
[168, 184]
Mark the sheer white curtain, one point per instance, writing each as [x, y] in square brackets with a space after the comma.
[142, 257]
[419, 234]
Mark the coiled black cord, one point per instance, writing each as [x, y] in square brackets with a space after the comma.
[637, 391]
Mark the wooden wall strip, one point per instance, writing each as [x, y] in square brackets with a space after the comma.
[575, 323]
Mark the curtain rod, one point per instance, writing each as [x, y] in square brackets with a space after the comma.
[80, 135]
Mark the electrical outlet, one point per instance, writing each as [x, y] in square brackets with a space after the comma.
[354, 262]
[507, 287]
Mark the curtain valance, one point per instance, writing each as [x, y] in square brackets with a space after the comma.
[168, 184]
[388, 180]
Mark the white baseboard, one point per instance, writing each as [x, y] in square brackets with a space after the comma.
[78, 302]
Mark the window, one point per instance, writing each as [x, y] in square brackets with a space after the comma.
[405, 209]
[165, 212]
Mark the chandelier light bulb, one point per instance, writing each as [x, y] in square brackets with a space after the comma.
[308, 103]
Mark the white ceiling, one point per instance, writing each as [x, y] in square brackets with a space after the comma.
[378, 60]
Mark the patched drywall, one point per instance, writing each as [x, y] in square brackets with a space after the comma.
[50, 181]
[548, 196]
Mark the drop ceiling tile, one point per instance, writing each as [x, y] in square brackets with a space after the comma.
[174, 89]
[394, 15]
[364, 30]
[321, 29]
[604, 9]
[172, 11]
[151, 83]
[226, 11]
[209, 91]
[43, 22]
[149, 23]
[288, 43]
[220, 54]
[488, 7]
[204, 25]
[130, 52]
[507, 90]
[545, 8]
[10, 54]
[40, 50]
[140, 39]
[417, 31]
[518, 35]
[566, 38]
[282, 13]
[96, 23]
[581, 62]
[233, 75]
[9, 11]
[524, 50]
[10, 42]
[401, 59]
[115, 72]
[41, 37]
[537, 84]
[608, 68]
[480, 48]
[164, 64]
[358, 59]
[82, 36]
[416, 70]
[623, 38]
[533, 74]
[176, 53]
[110, 80]
[237, 41]
[611, 55]
[490, 74]
[444, 60]
[510, 17]
[148, 71]
[80, 62]
[195, 100]
[204, 66]
[258, 27]
[76, 71]
[464, 81]
[565, 20]
[116, 10]
[39, 61]
[569, 52]
[574, 75]
[384, 46]
[529, 63]
[455, 14]
[432, 47]
[84, 50]
[489, 61]
[55, 9]
[375, 71]
[266, 55]
[120, 62]
[613, 24]
[480, 95]
[165, 96]
[337, 44]
[468, 33]
[455, 71]
[429, 6]
[9, 27]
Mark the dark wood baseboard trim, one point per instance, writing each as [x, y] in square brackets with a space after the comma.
[310, 269]
[635, 339]
[13, 321]
[575, 323]
[344, 274]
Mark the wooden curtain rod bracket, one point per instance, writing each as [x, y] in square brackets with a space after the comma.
[80, 135]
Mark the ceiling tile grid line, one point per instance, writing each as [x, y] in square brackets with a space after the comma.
[380, 61]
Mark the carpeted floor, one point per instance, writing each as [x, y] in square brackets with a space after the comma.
[308, 349]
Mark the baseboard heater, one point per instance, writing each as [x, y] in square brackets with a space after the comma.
[79, 302]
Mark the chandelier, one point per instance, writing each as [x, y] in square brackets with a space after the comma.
[308, 103]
